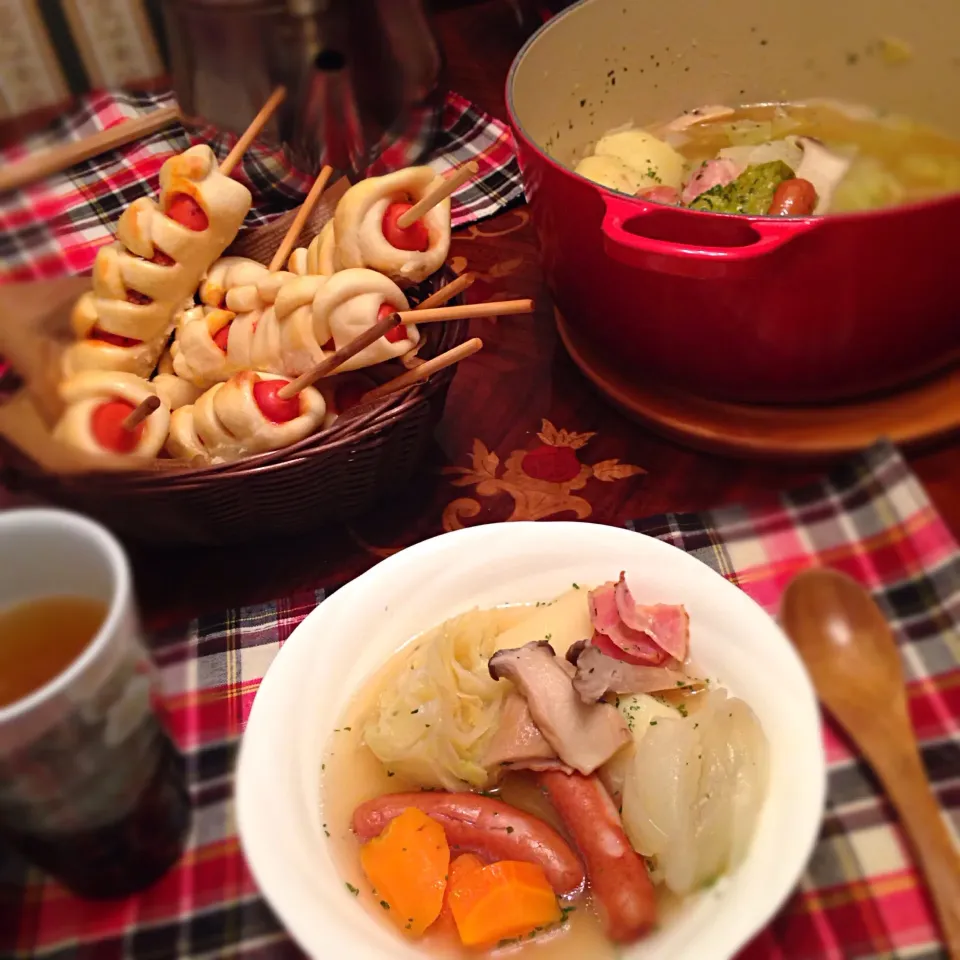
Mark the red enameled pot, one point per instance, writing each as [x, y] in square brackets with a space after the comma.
[753, 309]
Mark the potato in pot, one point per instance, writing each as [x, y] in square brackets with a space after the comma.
[633, 160]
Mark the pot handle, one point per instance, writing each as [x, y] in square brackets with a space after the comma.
[712, 245]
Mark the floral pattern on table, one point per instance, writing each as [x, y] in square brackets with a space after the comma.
[541, 479]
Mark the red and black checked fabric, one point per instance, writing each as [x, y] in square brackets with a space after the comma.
[860, 897]
[55, 227]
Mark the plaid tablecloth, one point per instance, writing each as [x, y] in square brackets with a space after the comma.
[54, 227]
[861, 896]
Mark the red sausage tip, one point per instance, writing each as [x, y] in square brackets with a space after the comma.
[273, 407]
[412, 238]
[394, 334]
[107, 427]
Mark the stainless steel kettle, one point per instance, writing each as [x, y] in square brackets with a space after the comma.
[361, 75]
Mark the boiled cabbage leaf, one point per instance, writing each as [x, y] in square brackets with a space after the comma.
[440, 706]
[868, 185]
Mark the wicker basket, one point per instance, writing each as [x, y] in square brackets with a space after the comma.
[335, 474]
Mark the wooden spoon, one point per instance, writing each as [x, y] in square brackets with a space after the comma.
[851, 654]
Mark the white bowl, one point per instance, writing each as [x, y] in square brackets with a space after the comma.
[349, 636]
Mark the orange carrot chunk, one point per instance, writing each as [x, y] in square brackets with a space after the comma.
[459, 868]
[507, 899]
[407, 866]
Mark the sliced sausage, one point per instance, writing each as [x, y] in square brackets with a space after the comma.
[616, 872]
[489, 828]
[793, 198]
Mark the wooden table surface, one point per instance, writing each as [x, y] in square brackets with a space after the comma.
[523, 435]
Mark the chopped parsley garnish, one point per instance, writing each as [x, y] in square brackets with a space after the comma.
[354, 890]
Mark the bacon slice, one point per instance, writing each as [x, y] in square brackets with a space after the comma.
[713, 173]
[667, 624]
[645, 635]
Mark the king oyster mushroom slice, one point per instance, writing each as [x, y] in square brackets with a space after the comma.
[597, 675]
[584, 735]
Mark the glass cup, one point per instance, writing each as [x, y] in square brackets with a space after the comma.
[92, 789]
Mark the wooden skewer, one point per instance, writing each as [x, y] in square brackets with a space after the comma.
[42, 164]
[140, 413]
[440, 192]
[306, 208]
[447, 292]
[250, 134]
[425, 370]
[348, 350]
[438, 299]
[374, 333]
[495, 308]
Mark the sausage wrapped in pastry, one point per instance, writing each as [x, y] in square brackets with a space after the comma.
[97, 402]
[243, 416]
[368, 235]
[352, 301]
[162, 251]
[213, 343]
[97, 350]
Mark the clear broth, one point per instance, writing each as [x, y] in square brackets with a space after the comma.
[920, 162]
[353, 775]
